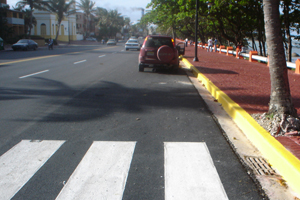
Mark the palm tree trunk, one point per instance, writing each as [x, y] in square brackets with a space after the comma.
[280, 99]
[30, 24]
[58, 27]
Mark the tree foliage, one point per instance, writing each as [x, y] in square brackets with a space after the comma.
[110, 22]
[231, 21]
[88, 7]
[5, 30]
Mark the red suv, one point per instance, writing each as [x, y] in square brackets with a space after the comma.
[159, 52]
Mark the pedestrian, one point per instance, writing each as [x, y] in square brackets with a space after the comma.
[210, 45]
[186, 42]
[239, 47]
[50, 43]
[216, 43]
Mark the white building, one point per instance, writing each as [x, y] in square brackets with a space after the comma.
[47, 26]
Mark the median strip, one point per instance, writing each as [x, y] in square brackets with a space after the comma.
[29, 59]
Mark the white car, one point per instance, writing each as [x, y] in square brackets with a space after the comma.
[111, 42]
[132, 44]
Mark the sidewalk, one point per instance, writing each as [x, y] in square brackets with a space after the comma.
[248, 84]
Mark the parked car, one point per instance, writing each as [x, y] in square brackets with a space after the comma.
[111, 42]
[25, 44]
[91, 39]
[132, 44]
[159, 52]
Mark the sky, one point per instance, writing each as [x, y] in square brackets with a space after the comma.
[127, 8]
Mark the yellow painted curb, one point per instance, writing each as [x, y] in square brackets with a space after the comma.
[278, 156]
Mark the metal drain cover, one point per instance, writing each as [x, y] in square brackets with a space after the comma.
[260, 166]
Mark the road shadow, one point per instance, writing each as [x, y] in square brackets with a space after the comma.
[100, 100]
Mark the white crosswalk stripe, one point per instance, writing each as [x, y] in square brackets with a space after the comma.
[21, 162]
[102, 172]
[190, 173]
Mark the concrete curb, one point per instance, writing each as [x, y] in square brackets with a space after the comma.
[278, 156]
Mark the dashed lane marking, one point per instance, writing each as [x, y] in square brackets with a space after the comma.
[79, 62]
[33, 74]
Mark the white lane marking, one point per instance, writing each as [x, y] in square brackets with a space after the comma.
[190, 172]
[21, 162]
[102, 173]
[34, 74]
[79, 62]
[102, 56]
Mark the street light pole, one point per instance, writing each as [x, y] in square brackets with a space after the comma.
[196, 31]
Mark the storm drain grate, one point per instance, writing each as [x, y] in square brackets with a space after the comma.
[260, 166]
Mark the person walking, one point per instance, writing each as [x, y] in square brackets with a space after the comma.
[186, 42]
[210, 45]
[216, 43]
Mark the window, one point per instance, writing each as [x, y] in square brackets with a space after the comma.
[157, 42]
[43, 29]
[15, 15]
[20, 15]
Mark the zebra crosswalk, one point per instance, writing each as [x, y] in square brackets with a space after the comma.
[102, 172]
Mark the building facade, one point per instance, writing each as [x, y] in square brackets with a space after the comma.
[84, 26]
[47, 26]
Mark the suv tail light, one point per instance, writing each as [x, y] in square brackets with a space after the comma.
[173, 42]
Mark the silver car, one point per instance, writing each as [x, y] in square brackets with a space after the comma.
[111, 42]
[132, 44]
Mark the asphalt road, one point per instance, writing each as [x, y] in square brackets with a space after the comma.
[82, 122]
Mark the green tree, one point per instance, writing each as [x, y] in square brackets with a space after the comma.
[29, 20]
[290, 19]
[280, 99]
[110, 22]
[87, 7]
[60, 8]
[5, 30]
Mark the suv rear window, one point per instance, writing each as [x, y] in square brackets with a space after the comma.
[158, 42]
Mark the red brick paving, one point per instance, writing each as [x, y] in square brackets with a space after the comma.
[246, 83]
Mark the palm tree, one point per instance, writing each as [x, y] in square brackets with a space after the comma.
[29, 20]
[87, 7]
[32, 4]
[60, 7]
[111, 21]
[280, 99]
